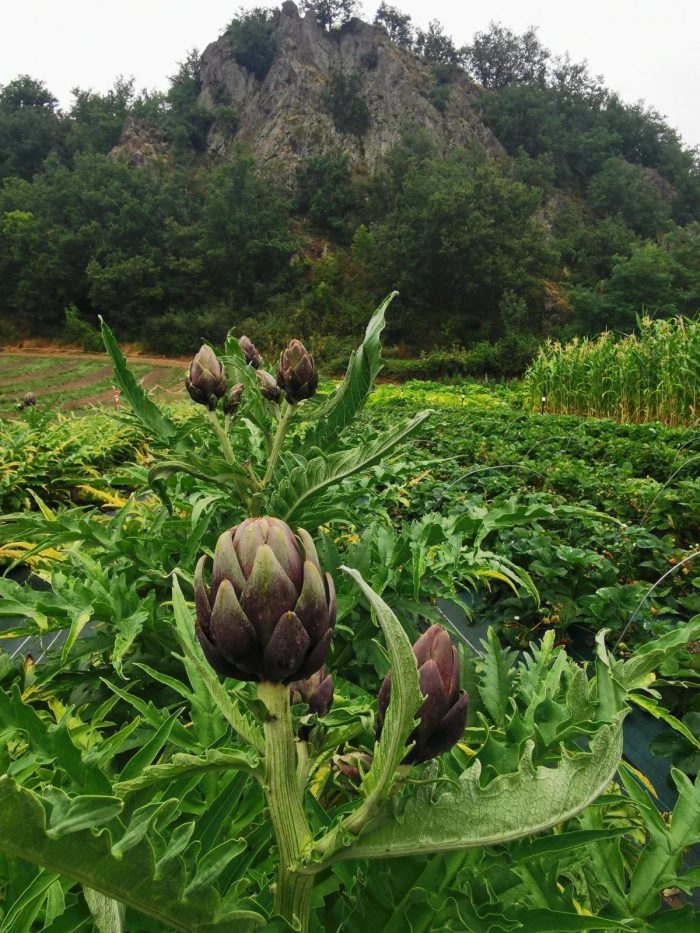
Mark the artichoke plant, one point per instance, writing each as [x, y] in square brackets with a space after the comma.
[206, 380]
[297, 375]
[269, 611]
[443, 713]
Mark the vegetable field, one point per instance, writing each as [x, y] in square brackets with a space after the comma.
[203, 598]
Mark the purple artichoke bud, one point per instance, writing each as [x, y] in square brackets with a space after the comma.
[269, 611]
[443, 714]
[232, 399]
[206, 380]
[297, 374]
[352, 765]
[252, 357]
[316, 691]
[29, 400]
[268, 387]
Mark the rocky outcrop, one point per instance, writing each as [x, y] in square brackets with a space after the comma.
[140, 144]
[285, 117]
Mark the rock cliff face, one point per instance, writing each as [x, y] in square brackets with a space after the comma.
[285, 117]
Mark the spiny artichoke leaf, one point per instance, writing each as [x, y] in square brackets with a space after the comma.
[146, 410]
[304, 482]
[365, 363]
[511, 806]
[86, 856]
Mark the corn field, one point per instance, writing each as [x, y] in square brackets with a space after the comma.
[650, 376]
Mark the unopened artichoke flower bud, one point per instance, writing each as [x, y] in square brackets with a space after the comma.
[316, 691]
[268, 387]
[443, 714]
[269, 611]
[297, 374]
[206, 380]
[252, 357]
[352, 765]
[232, 399]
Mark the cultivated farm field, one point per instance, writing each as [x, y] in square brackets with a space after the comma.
[556, 551]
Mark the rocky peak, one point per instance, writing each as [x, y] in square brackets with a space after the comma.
[287, 117]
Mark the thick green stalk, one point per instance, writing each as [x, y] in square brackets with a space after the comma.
[226, 448]
[285, 802]
[286, 414]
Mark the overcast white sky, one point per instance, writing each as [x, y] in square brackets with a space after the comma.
[645, 50]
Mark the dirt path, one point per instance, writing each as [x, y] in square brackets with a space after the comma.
[79, 355]
[165, 389]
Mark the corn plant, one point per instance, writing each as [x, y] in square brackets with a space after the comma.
[650, 376]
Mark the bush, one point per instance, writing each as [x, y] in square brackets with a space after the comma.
[505, 359]
[78, 331]
[341, 98]
[252, 40]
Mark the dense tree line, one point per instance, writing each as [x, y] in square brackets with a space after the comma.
[591, 215]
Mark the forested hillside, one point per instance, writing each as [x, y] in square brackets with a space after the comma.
[560, 209]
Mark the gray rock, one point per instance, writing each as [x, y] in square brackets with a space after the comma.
[283, 119]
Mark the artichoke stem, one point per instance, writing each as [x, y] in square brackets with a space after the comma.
[226, 448]
[285, 803]
[287, 412]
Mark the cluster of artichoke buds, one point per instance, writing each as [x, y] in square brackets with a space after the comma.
[206, 380]
[443, 713]
[269, 611]
[297, 376]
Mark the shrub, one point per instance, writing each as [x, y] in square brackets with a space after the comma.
[341, 98]
[252, 40]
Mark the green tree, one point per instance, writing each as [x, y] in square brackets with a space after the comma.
[331, 13]
[96, 120]
[397, 25]
[30, 127]
[499, 57]
[434, 45]
[632, 193]
[459, 234]
[251, 34]
[325, 193]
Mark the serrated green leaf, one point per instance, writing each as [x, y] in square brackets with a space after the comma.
[85, 856]
[214, 760]
[146, 410]
[307, 479]
[509, 807]
[364, 365]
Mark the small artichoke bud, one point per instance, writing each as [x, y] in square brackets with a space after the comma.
[443, 714]
[29, 400]
[316, 691]
[297, 374]
[206, 380]
[232, 399]
[252, 357]
[269, 611]
[268, 387]
[352, 765]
